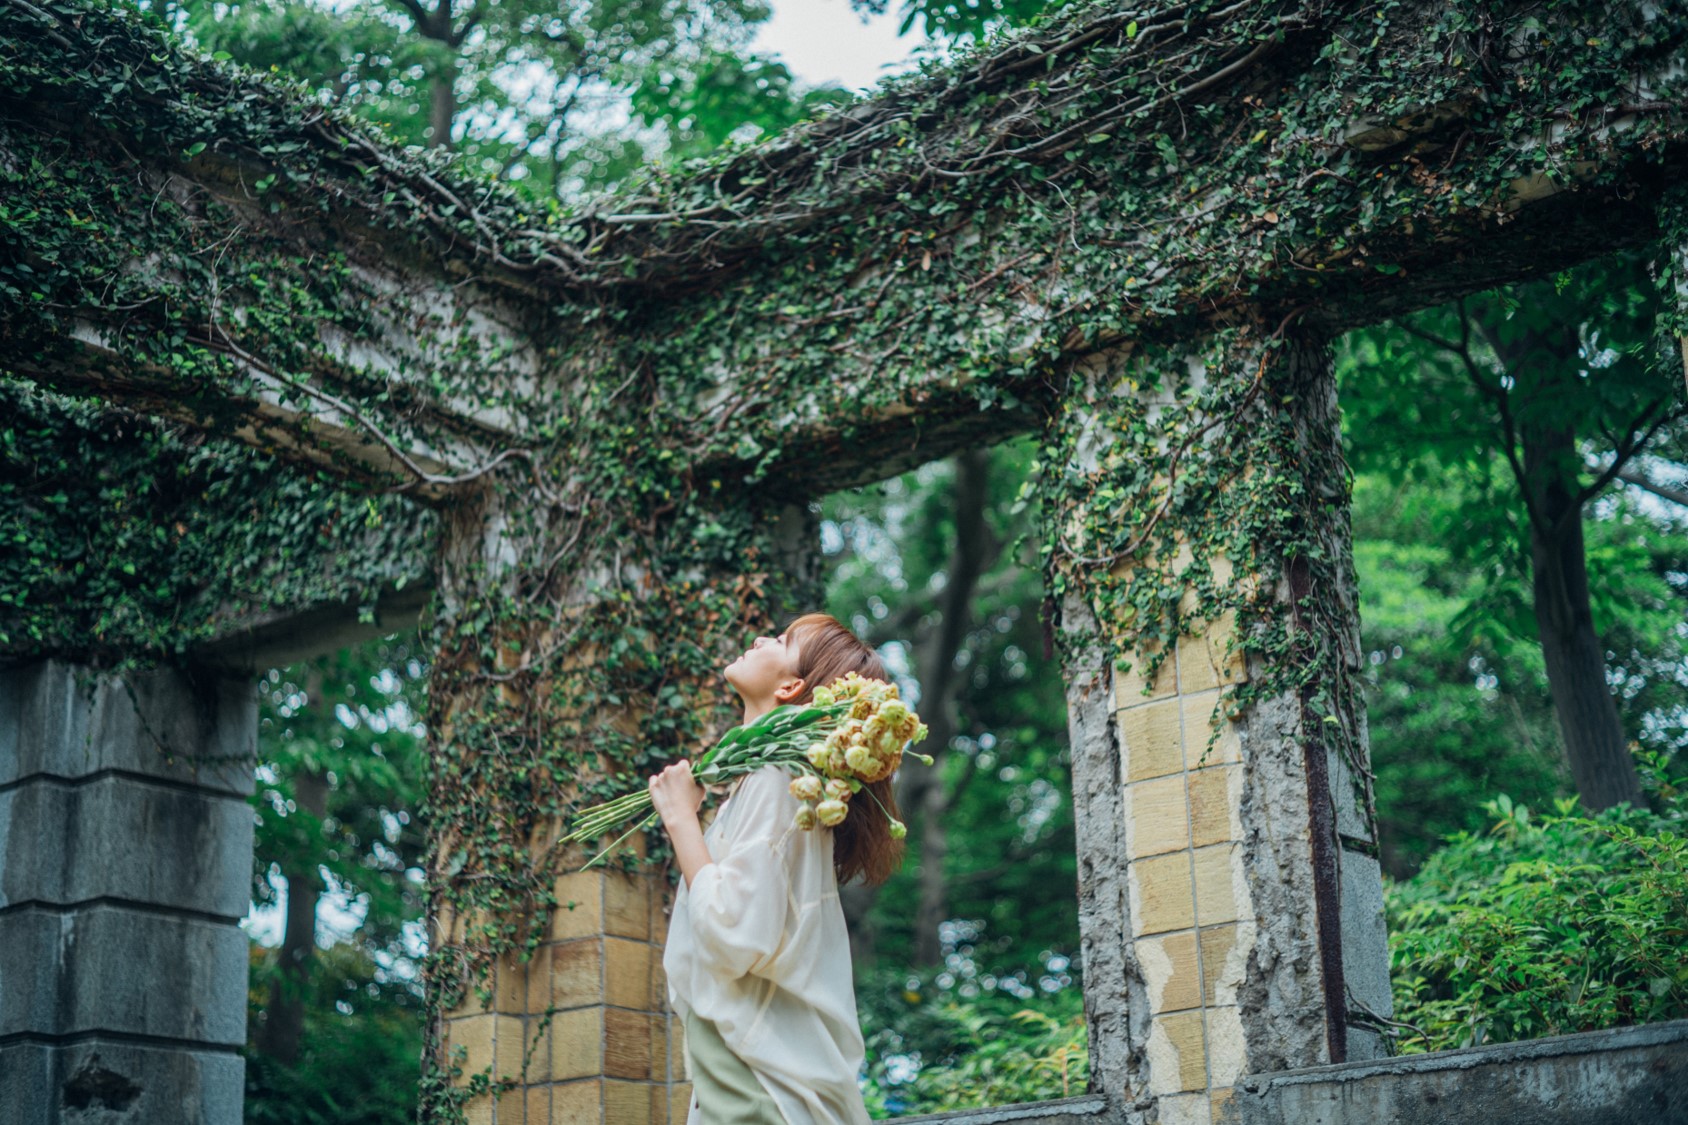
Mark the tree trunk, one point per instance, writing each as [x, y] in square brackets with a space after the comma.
[442, 110]
[1599, 757]
[1594, 741]
[922, 797]
[284, 1014]
[922, 791]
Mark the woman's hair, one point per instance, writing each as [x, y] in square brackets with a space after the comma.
[862, 844]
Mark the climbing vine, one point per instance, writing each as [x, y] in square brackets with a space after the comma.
[1128, 229]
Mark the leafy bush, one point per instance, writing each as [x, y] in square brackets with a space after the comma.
[360, 1056]
[1546, 926]
[932, 1049]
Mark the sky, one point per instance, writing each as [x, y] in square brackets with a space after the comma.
[825, 41]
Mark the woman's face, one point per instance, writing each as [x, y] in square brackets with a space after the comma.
[765, 670]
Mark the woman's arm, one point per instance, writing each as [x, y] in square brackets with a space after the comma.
[677, 797]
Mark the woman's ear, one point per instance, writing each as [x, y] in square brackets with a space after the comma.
[790, 690]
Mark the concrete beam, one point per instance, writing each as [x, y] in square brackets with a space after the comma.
[1622, 1076]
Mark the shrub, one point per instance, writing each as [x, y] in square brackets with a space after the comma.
[1545, 926]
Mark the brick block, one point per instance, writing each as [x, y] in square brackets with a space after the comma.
[1152, 744]
[577, 1044]
[626, 1103]
[1215, 805]
[1224, 956]
[1200, 712]
[1132, 688]
[576, 972]
[1160, 890]
[1227, 1050]
[627, 905]
[580, 906]
[1156, 819]
[537, 1105]
[627, 1044]
[577, 1103]
[1177, 1054]
[1183, 1109]
[1217, 870]
[627, 973]
[125, 1082]
[1171, 971]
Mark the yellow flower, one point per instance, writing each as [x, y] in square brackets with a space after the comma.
[858, 759]
[824, 697]
[832, 812]
[806, 788]
[838, 789]
[898, 830]
[805, 818]
[818, 755]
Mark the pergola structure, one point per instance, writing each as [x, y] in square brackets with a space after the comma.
[592, 437]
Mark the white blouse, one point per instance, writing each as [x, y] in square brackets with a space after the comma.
[758, 946]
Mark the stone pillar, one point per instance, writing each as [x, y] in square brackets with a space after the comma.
[582, 1029]
[125, 871]
[1231, 908]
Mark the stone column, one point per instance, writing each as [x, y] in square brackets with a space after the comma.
[1231, 909]
[125, 871]
[582, 1029]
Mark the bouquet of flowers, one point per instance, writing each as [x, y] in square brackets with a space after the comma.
[854, 733]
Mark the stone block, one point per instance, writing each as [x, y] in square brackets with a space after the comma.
[114, 969]
[577, 1103]
[100, 1080]
[1171, 971]
[627, 1044]
[577, 1044]
[1223, 1114]
[1199, 713]
[1184, 1109]
[627, 973]
[1365, 938]
[1156, 817]
[1177, 1053]
[1227, 1050]
[1347, 798]
[121, 838]
[1218, 870]
[580, 906]
[1160, 891]
[489, 1041]
[536, 1105]
[1224, 956]
[63, 721]
[627, 905]
[510, 989]
[1132, 688]
[1216, 796]
[626, 1103]
[1151, 742]
[576, 972]
[679, 1102]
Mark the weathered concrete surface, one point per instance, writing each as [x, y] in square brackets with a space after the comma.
[125, 851]
[1116, 1007]
[1627, 1076]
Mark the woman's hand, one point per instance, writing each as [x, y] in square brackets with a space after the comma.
[676, 795]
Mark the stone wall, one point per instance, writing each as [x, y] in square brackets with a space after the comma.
[125, 863]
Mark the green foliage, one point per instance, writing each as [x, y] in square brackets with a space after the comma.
[931, 1049]
[129, 539]
[1010, 862]
[1454, 715]
[1544, 926]
[359, 1052]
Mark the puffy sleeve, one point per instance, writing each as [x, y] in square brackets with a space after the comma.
[740, 900]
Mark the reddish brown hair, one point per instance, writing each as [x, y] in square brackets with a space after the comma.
[862, 844]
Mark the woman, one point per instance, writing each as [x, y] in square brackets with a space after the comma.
[758, 958]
